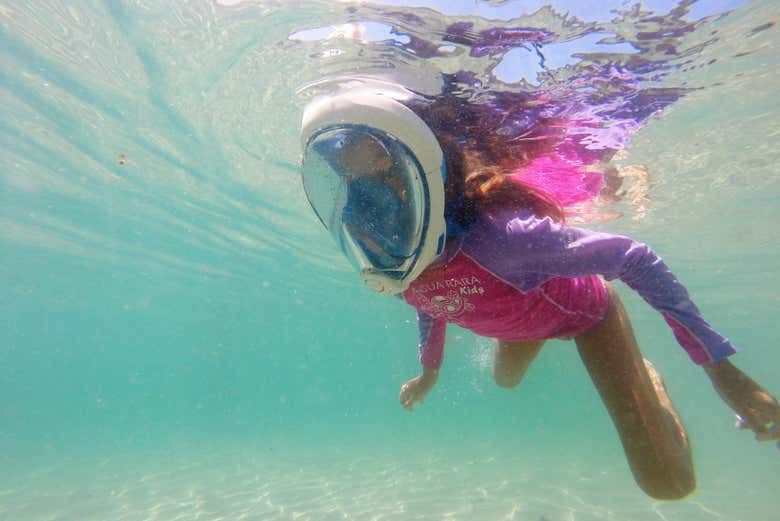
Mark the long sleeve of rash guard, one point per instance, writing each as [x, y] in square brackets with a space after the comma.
[432, 332]
[525, 251]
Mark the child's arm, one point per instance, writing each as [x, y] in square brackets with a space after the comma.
[756, 408]
[526, 250]
[432, 333]
[416, 389]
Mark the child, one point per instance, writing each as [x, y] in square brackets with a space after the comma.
[464, 240]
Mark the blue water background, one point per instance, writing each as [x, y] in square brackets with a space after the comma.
[174, 324]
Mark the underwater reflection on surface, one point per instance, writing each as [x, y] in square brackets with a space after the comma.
[167, 288]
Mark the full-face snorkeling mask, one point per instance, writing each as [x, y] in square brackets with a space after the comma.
[374, 174]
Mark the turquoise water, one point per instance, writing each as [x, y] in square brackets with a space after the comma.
[180, 340]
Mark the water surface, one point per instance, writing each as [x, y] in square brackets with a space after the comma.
[181, 340]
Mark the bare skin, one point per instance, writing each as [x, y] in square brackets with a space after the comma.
[756, 408]
[652, 434]
[653, 437]
[416, 389]
[367, 158]
[512, 360]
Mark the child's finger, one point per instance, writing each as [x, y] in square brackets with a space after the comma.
[771, 432]
[755, 420]
[404, 397]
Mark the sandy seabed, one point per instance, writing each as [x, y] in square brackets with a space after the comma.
[339, 484]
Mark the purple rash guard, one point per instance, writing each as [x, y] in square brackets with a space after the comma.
[497, 280]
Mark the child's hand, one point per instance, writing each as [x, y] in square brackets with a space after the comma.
[756, 409]
[759, 412]
[415, 389]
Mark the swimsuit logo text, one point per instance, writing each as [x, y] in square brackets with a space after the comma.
[449, 304]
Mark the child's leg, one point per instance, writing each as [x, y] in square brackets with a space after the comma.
[512, 360]
[653, 437]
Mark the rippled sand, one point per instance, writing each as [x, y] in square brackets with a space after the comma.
[397, 485]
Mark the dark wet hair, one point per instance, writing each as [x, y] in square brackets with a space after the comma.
[484, 148]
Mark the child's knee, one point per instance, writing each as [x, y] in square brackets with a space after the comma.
[669, 486]
[506, 379]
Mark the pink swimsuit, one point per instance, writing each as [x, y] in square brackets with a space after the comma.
[466, 294]
[518, 277]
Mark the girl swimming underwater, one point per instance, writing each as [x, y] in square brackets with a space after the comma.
[428, 202]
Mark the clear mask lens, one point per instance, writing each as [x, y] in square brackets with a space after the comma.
[368, 190]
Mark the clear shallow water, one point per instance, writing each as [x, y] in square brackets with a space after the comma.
[180, 340]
